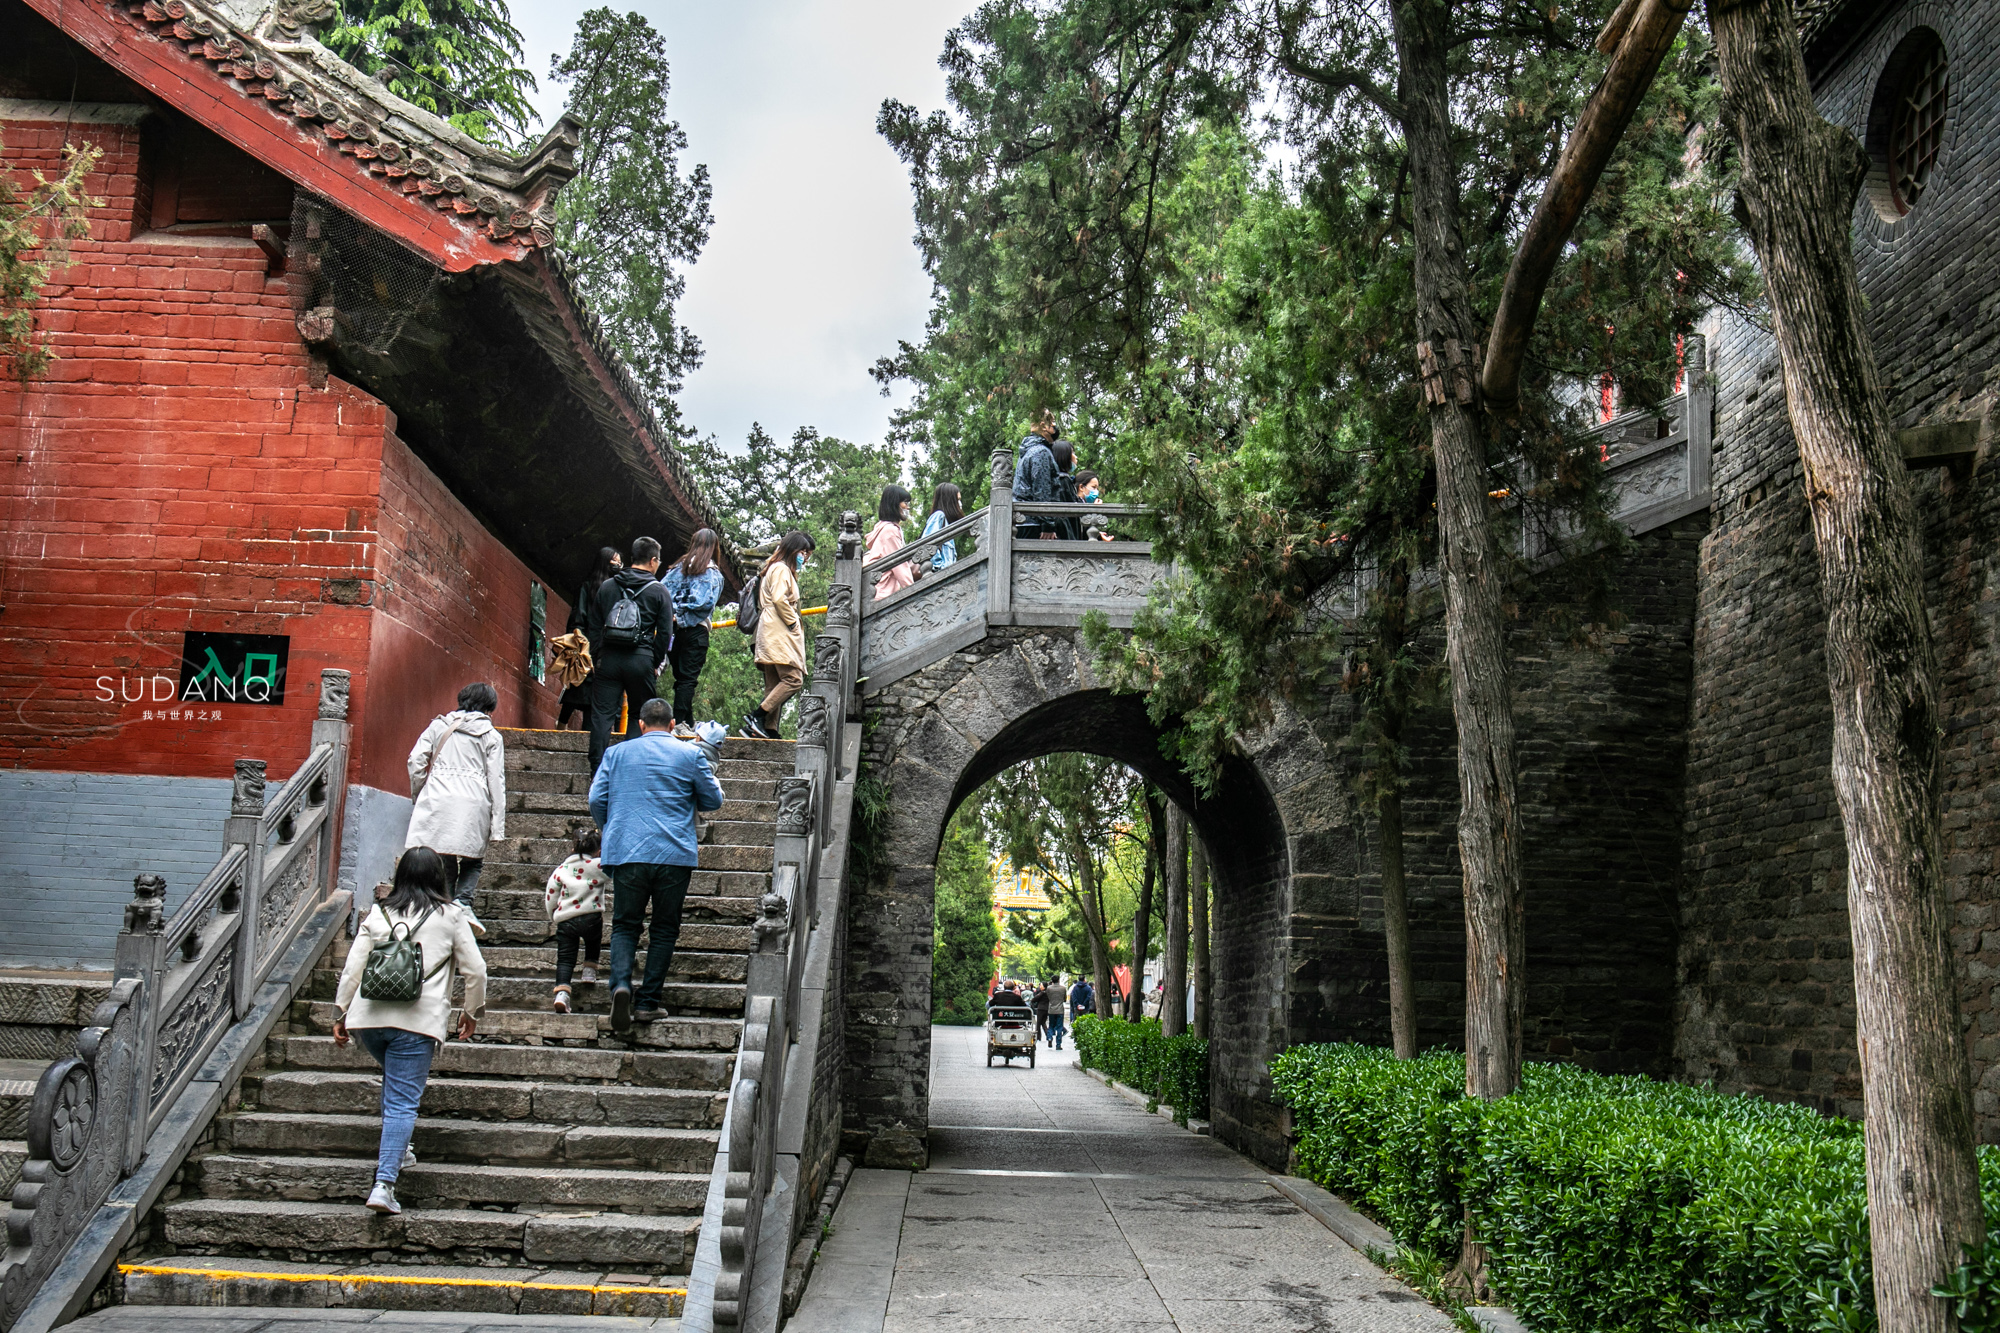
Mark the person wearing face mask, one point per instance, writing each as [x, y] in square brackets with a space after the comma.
[886, 538]
[1090, 491]
[781, 634]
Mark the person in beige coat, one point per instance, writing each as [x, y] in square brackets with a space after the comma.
[404, 1036]
[458, 776]
[781, 634]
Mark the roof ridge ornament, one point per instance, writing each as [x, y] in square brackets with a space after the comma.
[298, 21]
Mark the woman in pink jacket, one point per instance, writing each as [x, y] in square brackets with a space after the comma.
[886, 538]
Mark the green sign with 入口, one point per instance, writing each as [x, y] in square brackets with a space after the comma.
[234, 668]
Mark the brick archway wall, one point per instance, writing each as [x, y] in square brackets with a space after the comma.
[1277, 828]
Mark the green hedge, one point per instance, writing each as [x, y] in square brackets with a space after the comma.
[1171, 1070]
[1612, 1204]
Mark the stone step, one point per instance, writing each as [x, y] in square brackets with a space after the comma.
[517, 993]
[60, 999]
[645, 1148]
[717, 955]
[38, 1042]
[445, 1184]
[565, 1063]
[18, 1079]
[533, 877]
[548, 853]
[627, 1240]
[695, 1104]
[530, 1014]
[519, 1291]
[578, 742]
[539, 823]
[538, 783]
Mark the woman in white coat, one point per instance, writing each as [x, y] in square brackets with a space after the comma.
[404, 1035]
[458, 775]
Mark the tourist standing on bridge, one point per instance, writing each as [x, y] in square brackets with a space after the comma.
[1090, 491]
[458, 779]
[886, 538]
[403, 1035]
[644, 797]
[1035, 479]
[694, 584]
[946, 509]
[576, 699]
[1068, 527]
[781, 633]
[637, 625]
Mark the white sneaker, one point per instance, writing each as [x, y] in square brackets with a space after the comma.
[589, 977]
[383, 1199]
[409, 1157]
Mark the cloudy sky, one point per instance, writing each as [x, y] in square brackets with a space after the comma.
[809, 274]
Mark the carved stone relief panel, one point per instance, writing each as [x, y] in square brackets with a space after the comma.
[184, 1033]
[942, 607]
[1655, 480]
[1079, 578]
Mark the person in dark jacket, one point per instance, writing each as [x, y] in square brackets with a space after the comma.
[626, 671]
[1069, 527]
[1035, 479]
[576, 699]
[1082, 999]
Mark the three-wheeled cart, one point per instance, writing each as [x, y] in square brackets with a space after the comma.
[1010, 1031]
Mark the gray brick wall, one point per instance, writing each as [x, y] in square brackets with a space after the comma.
[1764, 1000]
[75, 840]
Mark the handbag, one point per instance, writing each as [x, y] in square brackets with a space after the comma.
[395, 971]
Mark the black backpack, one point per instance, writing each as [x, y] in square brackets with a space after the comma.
[747, 610]
[621, 625]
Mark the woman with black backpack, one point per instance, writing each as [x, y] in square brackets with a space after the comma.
[395, 999]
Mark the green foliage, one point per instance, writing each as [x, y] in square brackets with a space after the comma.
[867, 848]
[459, 59]
[1173, 1070]
[630, 222]
[36, 226]
[1611, 1204]
[964, 932]
[759, 494]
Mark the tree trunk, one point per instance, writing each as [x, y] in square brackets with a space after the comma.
[1093, 914]
[1198, 935]
[1389, 822]
[1475, 629]
[1396, 927]
[1142, 919]
[1800, 176]
[1173, 869]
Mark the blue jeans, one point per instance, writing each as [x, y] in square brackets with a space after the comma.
[634, 888]
[1056, 1029]
[405, 1058]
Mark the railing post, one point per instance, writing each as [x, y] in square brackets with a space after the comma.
[1699, 422]
[140, 952]
[1000, 538]
[798, 808]
[847, 575]
[246, 825]
[331, 727]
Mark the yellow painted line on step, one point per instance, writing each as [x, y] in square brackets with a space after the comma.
[377, 1279]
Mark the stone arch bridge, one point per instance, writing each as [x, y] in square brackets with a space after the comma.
[980, 666]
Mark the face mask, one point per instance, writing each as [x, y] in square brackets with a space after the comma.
[1091, 497]
[800, 560]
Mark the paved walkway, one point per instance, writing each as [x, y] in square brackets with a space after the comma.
[195, 1319]
[1054, 1204]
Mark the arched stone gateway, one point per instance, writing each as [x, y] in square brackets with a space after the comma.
[1277, 828]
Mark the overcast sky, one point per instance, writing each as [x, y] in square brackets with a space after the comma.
[809, 274]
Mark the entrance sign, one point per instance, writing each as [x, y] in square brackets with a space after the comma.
[234, 668]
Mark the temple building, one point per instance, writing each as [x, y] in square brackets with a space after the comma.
[324, 397]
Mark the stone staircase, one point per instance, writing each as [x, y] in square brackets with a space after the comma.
[41, 1011]
[561, 1169]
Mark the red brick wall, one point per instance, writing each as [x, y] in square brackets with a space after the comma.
[451, 607]
[175, 470]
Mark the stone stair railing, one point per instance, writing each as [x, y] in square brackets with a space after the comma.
[773, 1161]
[192, 999]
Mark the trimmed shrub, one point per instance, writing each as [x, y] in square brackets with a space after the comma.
[1171, 1070]
[1612, 1204]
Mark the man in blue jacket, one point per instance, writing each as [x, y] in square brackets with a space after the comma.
[644, 797]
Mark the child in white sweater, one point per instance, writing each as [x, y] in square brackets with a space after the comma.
[575, 897]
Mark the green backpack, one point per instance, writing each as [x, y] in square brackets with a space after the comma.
[395, 972]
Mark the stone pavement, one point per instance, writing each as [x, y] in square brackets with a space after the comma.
[1054, 1204]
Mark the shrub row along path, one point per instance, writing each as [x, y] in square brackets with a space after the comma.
[1054, 1204]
